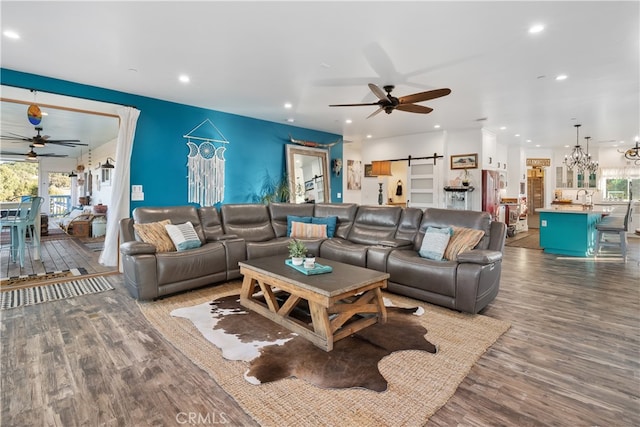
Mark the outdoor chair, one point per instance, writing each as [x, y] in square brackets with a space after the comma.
[24, 222]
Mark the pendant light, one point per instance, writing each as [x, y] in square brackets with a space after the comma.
[577, 159]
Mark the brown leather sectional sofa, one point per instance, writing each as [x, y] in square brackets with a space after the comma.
[384, 238]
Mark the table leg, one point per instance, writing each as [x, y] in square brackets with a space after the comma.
[321, 324]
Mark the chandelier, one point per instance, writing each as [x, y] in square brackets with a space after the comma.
[577, 159]
[591, 166]
[633, 153]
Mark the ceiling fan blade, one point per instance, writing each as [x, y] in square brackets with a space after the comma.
[424, 96]
[352, 105]
[68, 144]
[412, 108]
[375, 112]
[9, 153]
[52, 155]
[382, 96]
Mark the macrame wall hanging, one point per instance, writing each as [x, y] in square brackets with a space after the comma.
[205, 163]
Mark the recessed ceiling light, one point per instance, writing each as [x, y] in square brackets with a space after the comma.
[537, 145]
[184, 78]
[528, 140]
[287, 105]
[369, 136]
[566, 146]
[516, 135]
[503, 127]
[561, 77]
[436, 126]
[11, 34]
[536, 28]
[291, 120]
[348, 121]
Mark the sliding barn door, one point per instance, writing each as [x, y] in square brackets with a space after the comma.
[424, 189]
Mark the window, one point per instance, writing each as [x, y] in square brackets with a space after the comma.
[620, 184]
[105, 176]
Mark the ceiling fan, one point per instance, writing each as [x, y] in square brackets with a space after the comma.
[40, 140]
[388, 103]
[31, 155]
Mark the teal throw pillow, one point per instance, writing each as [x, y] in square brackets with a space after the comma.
[183, 236]
[292, 218]
[435, 243]
[331, 221]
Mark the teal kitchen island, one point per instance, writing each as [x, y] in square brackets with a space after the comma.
[570, 230]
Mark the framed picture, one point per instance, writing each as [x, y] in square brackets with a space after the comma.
[464, 161]
[354, 175]
[368, 171]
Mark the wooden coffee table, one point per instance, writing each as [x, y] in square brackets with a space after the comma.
[341, 302]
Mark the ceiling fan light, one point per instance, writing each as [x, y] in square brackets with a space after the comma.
[39, 144]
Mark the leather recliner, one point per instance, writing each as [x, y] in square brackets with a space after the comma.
[467, 284]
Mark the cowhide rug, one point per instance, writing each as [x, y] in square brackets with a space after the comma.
[275, 353]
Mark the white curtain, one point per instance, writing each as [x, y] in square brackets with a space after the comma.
[119, 185]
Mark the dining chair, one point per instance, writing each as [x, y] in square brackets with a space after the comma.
[20, 212]
[24, 222]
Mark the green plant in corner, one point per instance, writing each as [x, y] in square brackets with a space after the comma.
[297, 249]
[274, 190]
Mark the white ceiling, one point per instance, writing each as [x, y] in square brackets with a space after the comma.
[249, 58]
[93, 123]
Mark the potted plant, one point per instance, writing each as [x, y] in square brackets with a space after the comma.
[297, 250]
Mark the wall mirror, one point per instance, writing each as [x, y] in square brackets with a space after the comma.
[308, 172]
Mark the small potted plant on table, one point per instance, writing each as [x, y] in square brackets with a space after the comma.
[297, 251]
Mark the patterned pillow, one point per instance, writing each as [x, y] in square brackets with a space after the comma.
[156, 234]
[463, 239]
[301, 230]
[183, 236]
[292, 218]
[435, 242]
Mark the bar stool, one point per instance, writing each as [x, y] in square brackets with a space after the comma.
[24, 222]
[612, 226]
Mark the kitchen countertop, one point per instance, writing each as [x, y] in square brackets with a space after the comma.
[579, 209]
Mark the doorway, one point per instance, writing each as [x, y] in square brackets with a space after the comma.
[535, 195]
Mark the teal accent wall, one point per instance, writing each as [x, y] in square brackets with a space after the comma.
[159, 157]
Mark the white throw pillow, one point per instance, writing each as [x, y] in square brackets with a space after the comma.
[435, 242]
[183, 236]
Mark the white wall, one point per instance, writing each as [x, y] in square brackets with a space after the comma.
[101, 192]
[351, 151]
[418, 145]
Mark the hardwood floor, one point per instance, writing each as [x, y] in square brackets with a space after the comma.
[571, 357]
[58, 251]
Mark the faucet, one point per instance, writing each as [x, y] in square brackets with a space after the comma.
[587, 197]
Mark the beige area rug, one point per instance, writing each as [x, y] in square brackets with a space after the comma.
[419, 383]
[527, 240]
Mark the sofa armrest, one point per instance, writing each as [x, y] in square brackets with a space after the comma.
[137, 248]
[396, 243]
[480, 256]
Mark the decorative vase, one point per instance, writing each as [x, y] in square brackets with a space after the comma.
[297, 260]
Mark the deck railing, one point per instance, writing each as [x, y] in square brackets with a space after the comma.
[59, 205]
